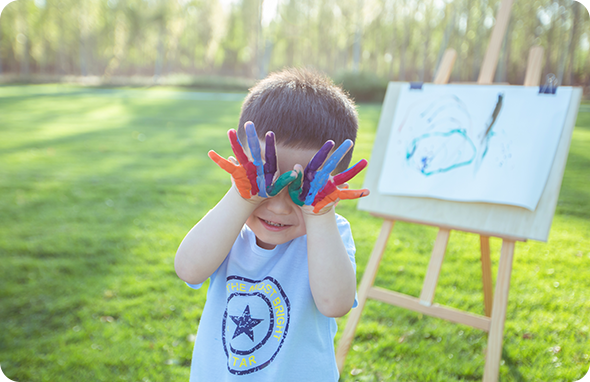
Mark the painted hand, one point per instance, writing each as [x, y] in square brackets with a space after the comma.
[253, 177]
[315, 186]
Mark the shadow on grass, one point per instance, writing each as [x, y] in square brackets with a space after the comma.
[513, 366]
[574, 197]
[92, 218]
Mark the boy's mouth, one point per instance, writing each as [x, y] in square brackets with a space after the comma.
[273, 223]
[273, 226]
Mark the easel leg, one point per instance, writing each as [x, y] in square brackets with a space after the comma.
[366, 284]
[436, 260]
[486, 274]
[495, 336]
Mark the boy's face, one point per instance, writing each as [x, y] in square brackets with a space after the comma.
[278, 220]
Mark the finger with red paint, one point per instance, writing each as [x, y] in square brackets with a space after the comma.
[243, 159]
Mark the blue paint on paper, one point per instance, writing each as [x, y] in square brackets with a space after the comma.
[439, 152]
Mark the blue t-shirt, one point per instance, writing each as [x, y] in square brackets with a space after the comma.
[260, 322]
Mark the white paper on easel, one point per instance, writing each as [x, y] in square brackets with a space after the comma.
[493, 144]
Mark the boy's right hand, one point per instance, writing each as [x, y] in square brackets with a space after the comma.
[254, 179]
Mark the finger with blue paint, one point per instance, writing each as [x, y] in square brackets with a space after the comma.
[254, 146]
[322, 176]
[312, 167]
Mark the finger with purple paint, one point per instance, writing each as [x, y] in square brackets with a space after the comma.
[270, 155]
[312, 167]
[321, 177]
[254, 146]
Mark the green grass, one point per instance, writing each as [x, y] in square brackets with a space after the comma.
[98, 189]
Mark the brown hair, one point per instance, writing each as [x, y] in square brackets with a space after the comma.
[303, 108]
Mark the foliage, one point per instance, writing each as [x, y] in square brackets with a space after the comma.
[210, 83]
[99, 186]
[395, 39]
[362, 86]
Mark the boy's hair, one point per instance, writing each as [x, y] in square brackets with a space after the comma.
[303, 108]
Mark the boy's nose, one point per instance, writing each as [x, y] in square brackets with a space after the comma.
[280, 204]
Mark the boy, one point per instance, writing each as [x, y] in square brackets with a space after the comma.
[281, 262]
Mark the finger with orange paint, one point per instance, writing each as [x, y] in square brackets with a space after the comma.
[237, 172]
[337, 195]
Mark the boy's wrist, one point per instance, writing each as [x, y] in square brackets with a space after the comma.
[254, 200]
[312, 219]
[238, 203]
[310, 210]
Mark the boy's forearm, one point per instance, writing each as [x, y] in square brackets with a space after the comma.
[331, 275]
[208, 243]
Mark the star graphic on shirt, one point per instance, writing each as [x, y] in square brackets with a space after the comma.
[245, 323]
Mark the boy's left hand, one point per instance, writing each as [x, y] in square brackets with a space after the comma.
[316, 190]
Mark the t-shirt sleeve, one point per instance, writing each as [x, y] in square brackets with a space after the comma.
[346, 235]
[195, 286]
[198, 286]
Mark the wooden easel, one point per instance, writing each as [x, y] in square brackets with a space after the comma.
[495, 303]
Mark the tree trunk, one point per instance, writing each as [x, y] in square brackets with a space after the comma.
[450, 18]
[61, 54]
[500, 75]
[24, 30]
[404, 48]
[566, 39]
[477, 56]
[574, 42]
[83, 25]
[356, 48]
[159, 53]
[0, 54]
[424, 67]
[257, 67]
[468, 57]
[265, 62]
[394, 39]
[549, 49]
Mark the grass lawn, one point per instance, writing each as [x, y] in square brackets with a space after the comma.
[98, 188]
